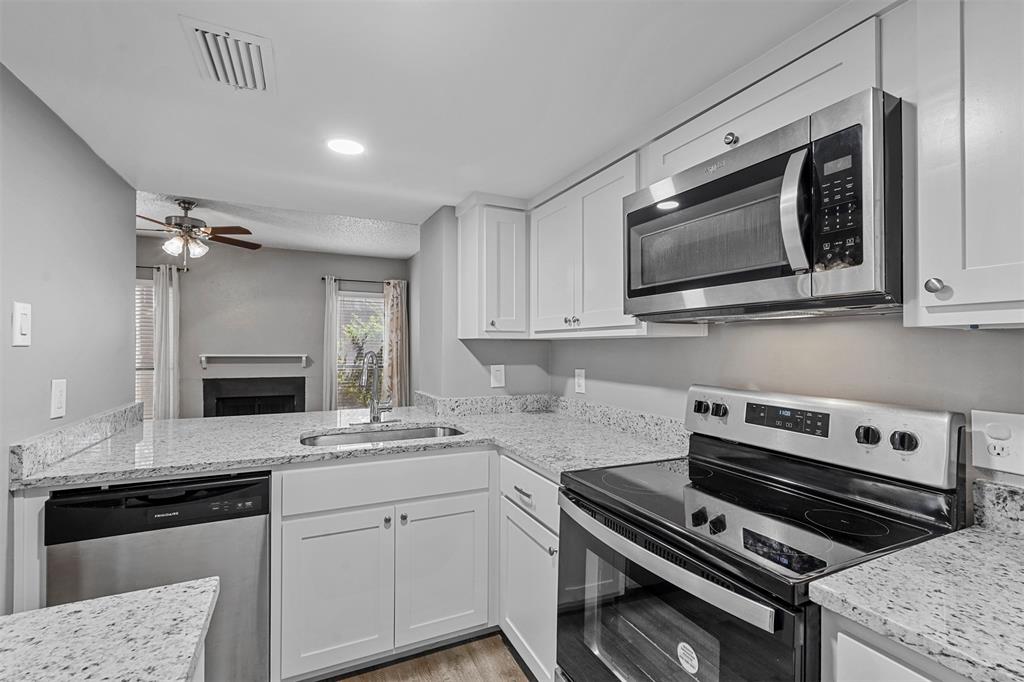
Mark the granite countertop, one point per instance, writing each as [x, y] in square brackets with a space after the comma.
[150, 635]
[955, 599]
[547, 442]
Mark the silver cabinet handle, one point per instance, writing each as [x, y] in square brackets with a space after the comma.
[731, 138]
[789, 214]
[934, 285]
[493, 324]
[387, 520]
[754, 612]
[552, 551]
[522, 492]
[404, 518]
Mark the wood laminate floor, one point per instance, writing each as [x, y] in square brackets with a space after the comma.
[482, 660]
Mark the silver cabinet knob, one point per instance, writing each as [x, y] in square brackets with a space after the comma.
[493, 324]
[404, 518]
[566, 319]
[387, 520]
[575, 320]
[552, 551]
[731, 139]
[934, 285]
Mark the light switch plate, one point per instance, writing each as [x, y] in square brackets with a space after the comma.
[58, 398]
[497, 376]
[581, 381]
[997, 441]
[21, 324]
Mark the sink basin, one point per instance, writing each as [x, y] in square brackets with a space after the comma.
[361, 437]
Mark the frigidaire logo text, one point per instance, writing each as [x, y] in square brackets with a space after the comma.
[164, 515]
[713, 167]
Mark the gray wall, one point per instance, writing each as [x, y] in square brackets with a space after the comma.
[266, 301]
[442, 364]
[857, 358]
[68, 244]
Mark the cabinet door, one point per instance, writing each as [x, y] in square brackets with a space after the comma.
[970, 166]
[504, 257]
[337, 588]
[554, 247]
[837, 69]
[529, 588]
[440, 567]
[599, 295]
[857, 662]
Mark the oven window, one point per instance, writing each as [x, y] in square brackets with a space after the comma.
[618, 621]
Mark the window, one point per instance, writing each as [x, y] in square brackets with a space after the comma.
[360, 330]
[144, 345]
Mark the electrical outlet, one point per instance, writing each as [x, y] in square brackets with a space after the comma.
[997, 441]
[497, 376]
[581, 381]
[58, 398]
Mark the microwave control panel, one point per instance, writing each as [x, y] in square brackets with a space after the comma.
[839, 232]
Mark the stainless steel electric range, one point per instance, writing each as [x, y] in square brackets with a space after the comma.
[698, 568]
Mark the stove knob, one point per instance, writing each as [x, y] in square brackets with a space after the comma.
[903, 441]
[699, 517]
[701, 406]
[867, 435]
[717, 524]
[719, 410]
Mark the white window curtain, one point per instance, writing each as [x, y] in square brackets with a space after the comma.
[396, 341]
[165, 342]
[330, 361]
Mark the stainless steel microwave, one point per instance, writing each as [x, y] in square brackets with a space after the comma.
[806, 220]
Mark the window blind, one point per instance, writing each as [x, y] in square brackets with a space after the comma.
[360, 330]
[144, 346]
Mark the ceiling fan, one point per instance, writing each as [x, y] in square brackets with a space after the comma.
[189, 235]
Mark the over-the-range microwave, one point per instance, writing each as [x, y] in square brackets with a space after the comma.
[806, 220]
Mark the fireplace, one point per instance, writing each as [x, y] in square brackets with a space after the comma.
[253, 395]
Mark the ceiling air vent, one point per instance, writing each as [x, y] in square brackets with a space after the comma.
[237, 59]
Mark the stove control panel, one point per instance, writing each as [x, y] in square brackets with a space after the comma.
[918, 446]
[801, 421]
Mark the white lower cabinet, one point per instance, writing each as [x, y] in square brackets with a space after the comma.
[529, 588]
[441, 567]
[337, 588]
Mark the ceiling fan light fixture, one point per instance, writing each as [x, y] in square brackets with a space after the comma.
[174, 245]
[197, 249]
[349, 147]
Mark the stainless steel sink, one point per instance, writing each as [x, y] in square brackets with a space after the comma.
[361, 437]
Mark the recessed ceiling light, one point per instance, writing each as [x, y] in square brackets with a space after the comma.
[668, 205]
[345, 146]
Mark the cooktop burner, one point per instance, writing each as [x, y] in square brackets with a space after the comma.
[780, 529]
[848, 523]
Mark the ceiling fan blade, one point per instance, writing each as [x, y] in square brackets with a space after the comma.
[235, 242]
[229, 229]
[153, 229]
[152, 220]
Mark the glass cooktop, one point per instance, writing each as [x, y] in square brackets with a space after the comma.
[790, 533]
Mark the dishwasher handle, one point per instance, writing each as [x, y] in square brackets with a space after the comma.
[74, 516]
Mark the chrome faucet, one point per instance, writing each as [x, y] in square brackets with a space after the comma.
[370, 378]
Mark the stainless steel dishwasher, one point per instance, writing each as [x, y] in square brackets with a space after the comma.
[123, 538]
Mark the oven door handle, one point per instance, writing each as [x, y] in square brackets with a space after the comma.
[757, 614]
[789, 213]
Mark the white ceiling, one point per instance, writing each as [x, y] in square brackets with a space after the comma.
[291, 229]
[449, 97]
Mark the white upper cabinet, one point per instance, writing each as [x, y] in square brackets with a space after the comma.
[492, 272]
[969, 266]
[554, 239]
[837, 69]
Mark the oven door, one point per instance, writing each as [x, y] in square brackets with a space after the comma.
[735, 231]
[633, 608]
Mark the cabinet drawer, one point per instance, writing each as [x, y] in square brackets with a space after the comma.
[531, 491]
[341, 486]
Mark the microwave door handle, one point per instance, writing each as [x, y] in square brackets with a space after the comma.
[753, 612]
[789, 214]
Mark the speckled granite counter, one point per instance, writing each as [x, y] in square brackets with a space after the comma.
[956, 599]
[548, 442]
[150, 635]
